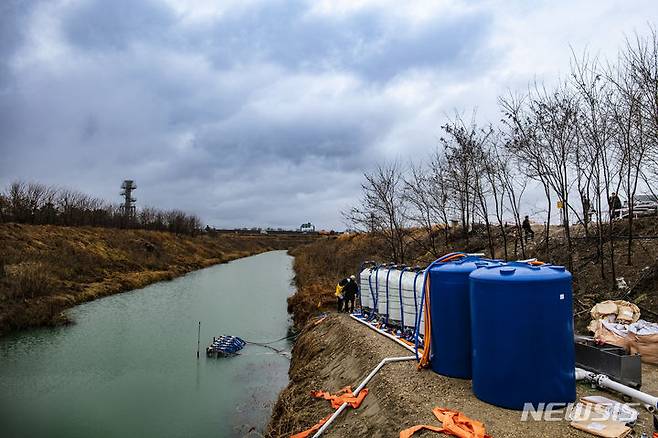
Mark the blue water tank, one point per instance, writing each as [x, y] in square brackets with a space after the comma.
[450, 312]
[522, 335]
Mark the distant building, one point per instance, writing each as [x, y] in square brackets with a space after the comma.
[307, 228]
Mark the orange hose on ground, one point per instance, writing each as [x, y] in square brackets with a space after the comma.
[312, 429]
[345, 395]
[453, 423]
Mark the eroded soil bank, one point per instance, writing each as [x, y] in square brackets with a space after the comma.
[340, 351]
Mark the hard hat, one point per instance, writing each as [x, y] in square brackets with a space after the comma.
[353, 277]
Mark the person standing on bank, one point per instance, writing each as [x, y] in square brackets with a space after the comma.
[340, 294]
[350, 289]
[615, 205]
[527, 229]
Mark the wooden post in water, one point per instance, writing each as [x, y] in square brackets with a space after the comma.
[198, 341]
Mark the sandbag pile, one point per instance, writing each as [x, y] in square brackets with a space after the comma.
[618, 323]
[617, 311]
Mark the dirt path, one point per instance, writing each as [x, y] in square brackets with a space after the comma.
[340, 352]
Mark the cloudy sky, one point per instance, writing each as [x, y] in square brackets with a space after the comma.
[251, 112]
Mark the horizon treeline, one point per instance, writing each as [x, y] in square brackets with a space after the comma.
[590, 136]
[40, 204]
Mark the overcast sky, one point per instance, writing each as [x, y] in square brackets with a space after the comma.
[251, 112]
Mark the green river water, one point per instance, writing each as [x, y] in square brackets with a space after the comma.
[128, 367]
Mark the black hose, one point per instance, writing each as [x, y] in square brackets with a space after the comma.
[274, 341]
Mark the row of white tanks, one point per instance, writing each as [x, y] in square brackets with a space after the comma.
[393, 291]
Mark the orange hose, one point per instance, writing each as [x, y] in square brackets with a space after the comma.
[452, 257]
[452, 423]
[424, 360]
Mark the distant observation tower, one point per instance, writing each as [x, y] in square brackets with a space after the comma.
[128, 206]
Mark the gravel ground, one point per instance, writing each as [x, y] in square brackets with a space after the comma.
[340, 352]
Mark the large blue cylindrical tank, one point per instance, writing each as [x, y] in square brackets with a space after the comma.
[450, 313]
[522, 335]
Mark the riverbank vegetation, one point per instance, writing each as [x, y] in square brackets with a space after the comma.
[45, 269]
[320, 264]
[39, 204]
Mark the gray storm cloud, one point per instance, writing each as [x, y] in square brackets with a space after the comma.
[259, 113]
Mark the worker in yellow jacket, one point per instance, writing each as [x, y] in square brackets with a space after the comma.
[340, 294]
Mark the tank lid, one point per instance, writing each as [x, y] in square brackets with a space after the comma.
[465, 264]
[507, 271]
[519, 271]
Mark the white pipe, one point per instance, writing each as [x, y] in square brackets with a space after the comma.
[382, 332]
[603, 381]
[582, 374]
[363, 384]
[649, 400]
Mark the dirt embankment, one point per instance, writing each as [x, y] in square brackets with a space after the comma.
[340, 352]
[47, 269]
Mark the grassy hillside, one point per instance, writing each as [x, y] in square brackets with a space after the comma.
[319, 265]
[46, 269]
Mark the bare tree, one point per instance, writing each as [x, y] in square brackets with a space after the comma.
[596, 131]
[631, 125]
[35, 203]
[384, 208]
[545, 136]
[463, 147]
[418, 193]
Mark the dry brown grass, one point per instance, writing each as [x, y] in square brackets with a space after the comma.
[319, 265]
[49, 268]
[28, 280]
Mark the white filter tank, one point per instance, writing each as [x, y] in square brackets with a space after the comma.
[366, 287]
[403, 305]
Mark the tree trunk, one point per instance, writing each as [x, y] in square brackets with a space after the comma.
[612, 254]
[567, 233]
[502, 227]
[547, 229]
[629, 254]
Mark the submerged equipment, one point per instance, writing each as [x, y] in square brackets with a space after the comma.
[225, 346]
